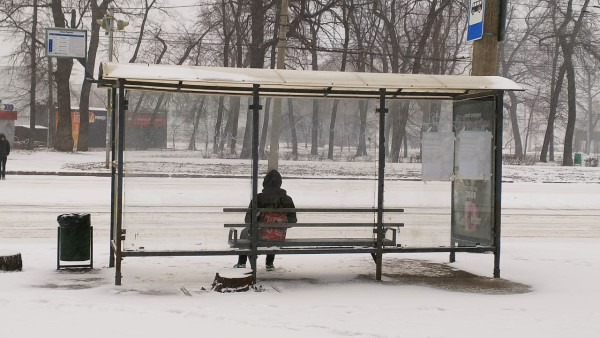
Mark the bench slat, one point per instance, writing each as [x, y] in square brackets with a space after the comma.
[316, 242]
[308, 210]
[315, 225]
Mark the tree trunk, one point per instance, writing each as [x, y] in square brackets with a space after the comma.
[265, 129]
[554, 96]
[361, 149]
[98, 12]
[314, 146]
[234, 107]
[293, 129]
[218, 123]
[257, 50]
[533, 107]
[590, 111]
[246, 152]
[514, 122]
[405, 143]
[192, 145]
[399, 111]
[332, 129]
[233, 281]
[11, 262]
[64, 136]
[572, 108]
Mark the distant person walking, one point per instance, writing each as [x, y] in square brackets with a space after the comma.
[272, 196]
[4, 152]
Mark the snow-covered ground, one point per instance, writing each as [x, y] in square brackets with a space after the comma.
[192, 163]
[550, 289]
[550, 259]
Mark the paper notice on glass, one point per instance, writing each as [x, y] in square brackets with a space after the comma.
[474, 155]
[438, 156]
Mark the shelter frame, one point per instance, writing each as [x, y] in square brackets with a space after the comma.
[119, 86]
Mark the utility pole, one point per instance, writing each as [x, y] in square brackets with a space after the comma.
[485, 50]
[108, 23]
[33, 70]
[273, 161]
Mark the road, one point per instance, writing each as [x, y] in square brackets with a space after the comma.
[181, 206]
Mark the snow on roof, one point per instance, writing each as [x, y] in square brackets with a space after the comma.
[37, 126]
[276, 82]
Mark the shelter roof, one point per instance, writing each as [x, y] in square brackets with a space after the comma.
[296, 83]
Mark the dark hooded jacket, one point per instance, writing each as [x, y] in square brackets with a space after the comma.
[4, 146]
[272, 196]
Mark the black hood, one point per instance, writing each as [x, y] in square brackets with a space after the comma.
[272, 180]
[2, 136]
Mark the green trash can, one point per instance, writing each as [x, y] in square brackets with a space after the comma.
[577, 159]
[75, 240]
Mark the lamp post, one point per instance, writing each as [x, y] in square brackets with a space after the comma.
[108, 23]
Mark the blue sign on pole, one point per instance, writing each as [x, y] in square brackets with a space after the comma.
[475, 28]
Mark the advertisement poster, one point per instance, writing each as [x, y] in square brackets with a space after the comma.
[472, 199]
[438, 156]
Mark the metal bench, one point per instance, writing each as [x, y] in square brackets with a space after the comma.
[311, 243]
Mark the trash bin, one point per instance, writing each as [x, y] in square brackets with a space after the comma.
[75, 240]
[577, 159]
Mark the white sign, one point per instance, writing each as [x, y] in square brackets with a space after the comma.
[438, 156]
[474, 155]
[66, 43]
[475, 28]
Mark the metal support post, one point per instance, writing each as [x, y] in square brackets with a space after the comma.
[256, 107]
[120, 144]
[113, 178]
[380, 184]
[498, 181]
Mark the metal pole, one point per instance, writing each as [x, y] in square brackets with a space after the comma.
[380, 184]
[498, 181]
[273, 160]
[113, 174]
[110, 26]
[51, 112]
[33, 79]
[452, 220]
[120, 145]
[256, 107]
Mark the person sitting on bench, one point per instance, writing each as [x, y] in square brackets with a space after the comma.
[272, 196]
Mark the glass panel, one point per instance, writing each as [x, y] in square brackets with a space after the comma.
[426, 205]
[327, 157]
[180, 174]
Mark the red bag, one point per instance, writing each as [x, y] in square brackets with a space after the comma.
[272, 234]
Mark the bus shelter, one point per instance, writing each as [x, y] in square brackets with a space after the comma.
[460, 144]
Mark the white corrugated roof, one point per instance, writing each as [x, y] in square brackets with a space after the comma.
[239, 81]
